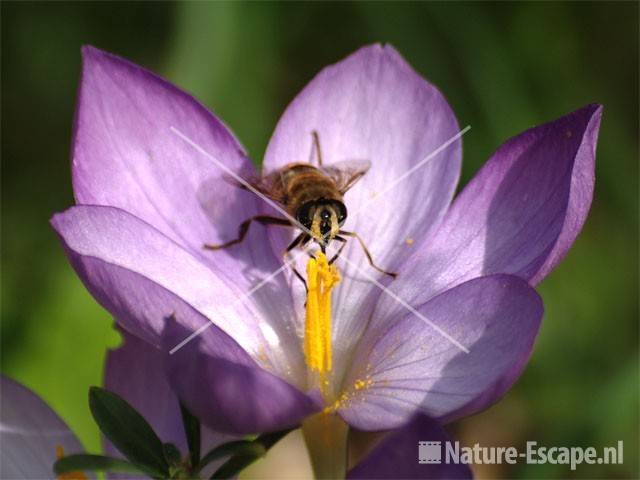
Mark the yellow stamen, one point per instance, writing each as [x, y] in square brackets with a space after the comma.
[68, 475]
[321, 278]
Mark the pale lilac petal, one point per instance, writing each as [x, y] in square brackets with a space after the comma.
[135, 372]
[406, 365]
[396, 456]
[230, 396]
[143, 277]
[374, 106]
[519, 215]
[126, 155]
[30, 432]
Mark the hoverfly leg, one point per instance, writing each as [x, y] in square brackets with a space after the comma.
[244, 228]
[300, 240]
[337, 254]
[366, 252]
[301, 278]
[316, 145]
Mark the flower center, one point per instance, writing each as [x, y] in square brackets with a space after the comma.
[321, 278]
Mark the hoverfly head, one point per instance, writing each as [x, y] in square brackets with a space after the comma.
[323, 218]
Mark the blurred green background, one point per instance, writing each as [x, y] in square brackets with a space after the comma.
[503, 67]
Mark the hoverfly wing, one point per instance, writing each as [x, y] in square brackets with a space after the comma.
[263, 185]
[346, 173]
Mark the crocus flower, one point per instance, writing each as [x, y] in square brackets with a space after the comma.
[447, 338]
[32, 435]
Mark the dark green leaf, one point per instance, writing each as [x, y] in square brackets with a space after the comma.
[268, 440]
[93, 463]
[171, 454]
[192, 430]
[246, 452]
[236, 448]
[233, 466]
[128, 431]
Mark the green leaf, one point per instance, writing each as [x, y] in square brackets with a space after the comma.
[128, 431]
[246, 452]
[233, 466]
[236, 448]
[268, 440]
[94, 463]
[171, 454]
[192, 430]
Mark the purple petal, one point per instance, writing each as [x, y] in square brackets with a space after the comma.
[406, 365]
[30, 432]
[519, 215]
[397, 455]
[374, 106]
[232, 397]
[126, 155]
[489, 395]
[135, 372]
[143, 277]
[145, 280]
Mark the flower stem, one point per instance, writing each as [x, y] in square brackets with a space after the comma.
[326, 437]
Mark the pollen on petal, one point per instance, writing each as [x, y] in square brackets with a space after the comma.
[361, 384]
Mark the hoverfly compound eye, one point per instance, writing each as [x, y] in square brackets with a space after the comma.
[303, 215]
[341, 210]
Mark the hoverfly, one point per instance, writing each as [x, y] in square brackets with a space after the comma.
[314, 197]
